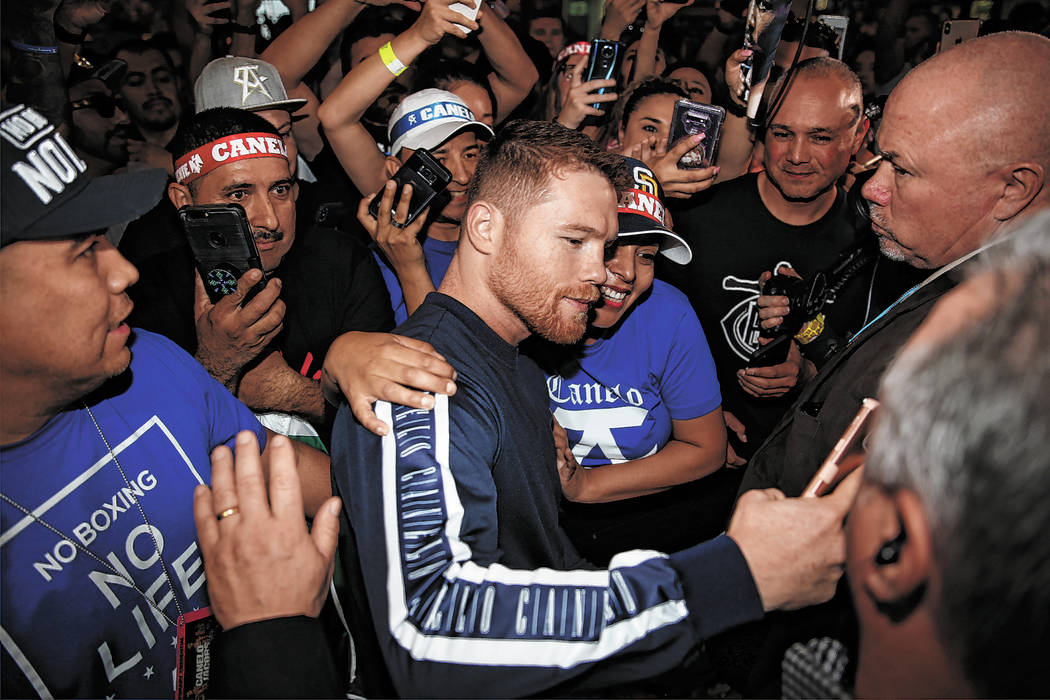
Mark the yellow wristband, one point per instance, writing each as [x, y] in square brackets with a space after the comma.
[386, 55]
[811, 331]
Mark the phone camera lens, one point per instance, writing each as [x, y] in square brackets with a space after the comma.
[427, 174]
[947, 28]
[217, 239]
[607, 52]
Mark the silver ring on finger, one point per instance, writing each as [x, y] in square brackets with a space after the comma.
[395, 223]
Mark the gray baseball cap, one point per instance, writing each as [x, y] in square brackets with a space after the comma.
[243, 83]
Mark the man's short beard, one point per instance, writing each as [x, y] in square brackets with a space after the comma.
[159, 123]
[794, 199]
[514, 286]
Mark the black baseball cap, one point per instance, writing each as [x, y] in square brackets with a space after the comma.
[641, 213]
[46, 191]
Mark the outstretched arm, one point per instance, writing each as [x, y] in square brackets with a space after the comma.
[341, 113]
[513, 74]
[297, 49]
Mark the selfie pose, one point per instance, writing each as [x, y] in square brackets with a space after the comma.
[636, 404]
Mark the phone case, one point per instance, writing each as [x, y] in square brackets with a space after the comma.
[690, 118]
[603, 65]
[223, 246]
[428, 178]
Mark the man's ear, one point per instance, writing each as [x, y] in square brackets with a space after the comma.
[390, 166]
[1022, 182]
[862, 131]
[897, 576]
[179, 195]
[484, 227]
[295, 190]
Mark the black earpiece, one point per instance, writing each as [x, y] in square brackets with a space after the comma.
[890, 551]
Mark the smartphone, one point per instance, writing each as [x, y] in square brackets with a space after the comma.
[765, 22]
[839, 23]
[428, 178]
[690, 118]
[467, 11]
[956, 31]
[845, 455]
[223, 246]
[604, 64]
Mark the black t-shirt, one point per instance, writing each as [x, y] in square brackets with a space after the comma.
[734, 240]
[330, 285]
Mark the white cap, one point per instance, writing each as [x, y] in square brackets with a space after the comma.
[428, 118]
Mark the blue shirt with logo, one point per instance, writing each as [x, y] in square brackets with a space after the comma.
[70, 627]
[618, 403]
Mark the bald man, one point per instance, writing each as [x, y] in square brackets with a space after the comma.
[949, 583]
[965, 153]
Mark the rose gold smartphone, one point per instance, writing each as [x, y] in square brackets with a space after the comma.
[845, 455]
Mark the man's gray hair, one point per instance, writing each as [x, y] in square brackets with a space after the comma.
[965, 424]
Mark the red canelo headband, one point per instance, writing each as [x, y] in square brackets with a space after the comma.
[203, 160]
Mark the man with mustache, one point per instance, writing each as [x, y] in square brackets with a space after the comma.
[473, 588]
[151, 98]
[795, 215]
[269, 350]
[99, 123]
[936, 199]
[104, 433]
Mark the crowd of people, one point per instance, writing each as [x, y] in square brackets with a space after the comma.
[556, 430]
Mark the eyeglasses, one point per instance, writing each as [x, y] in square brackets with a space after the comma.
[102, 103]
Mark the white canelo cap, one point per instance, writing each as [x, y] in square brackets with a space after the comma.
[428, 118]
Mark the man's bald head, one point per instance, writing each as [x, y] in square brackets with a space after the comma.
[994, 91]
[966, 149]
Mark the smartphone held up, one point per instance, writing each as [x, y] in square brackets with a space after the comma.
[428, 178]
[692, 118]
[223, 247]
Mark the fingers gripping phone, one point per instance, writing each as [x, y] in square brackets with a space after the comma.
[691, 118]
[846, 455]
[467, 11]
[604, 64]
[428, 178]
[223, 246]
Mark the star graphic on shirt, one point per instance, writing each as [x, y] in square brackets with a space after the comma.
[148, 672]
[174, 641]
[111, 697]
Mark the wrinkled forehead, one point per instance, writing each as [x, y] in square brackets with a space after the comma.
[256, 172]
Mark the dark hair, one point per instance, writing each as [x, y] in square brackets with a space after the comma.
[141, 46]
[647, 87]
[372, 21]
[211, 124]
[444, 73]
[516, 167]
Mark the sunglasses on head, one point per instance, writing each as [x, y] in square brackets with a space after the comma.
[102, 103]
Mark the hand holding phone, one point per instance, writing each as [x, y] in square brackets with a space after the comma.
[427, 176]
[223, 246]
[604, 64]
[400, 244]
[846, 455]
[467, 11]
[689, 119]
